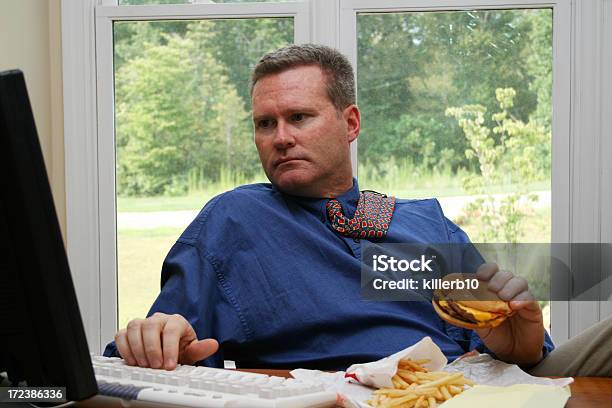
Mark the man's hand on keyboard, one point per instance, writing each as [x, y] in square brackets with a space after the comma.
[162, 341]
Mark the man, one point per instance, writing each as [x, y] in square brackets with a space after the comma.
[268, 271]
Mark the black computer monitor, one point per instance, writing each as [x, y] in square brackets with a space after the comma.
[42, 340]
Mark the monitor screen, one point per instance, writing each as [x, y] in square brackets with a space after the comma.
[42, 340]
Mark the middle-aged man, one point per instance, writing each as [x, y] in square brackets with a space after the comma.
[270, 273]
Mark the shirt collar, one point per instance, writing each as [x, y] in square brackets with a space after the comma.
[348, 200]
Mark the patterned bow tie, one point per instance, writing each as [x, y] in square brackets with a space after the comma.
[371, 220]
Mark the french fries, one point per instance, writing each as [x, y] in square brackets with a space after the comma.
[416, 387]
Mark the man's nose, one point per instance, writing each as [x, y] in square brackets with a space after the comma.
[284, 137]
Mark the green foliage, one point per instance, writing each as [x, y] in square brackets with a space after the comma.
[239, 44]
[538, 56]
[511, 151]
[182, 121]
[165, 128]
[405, 179]
[412, 66]
[182, 97]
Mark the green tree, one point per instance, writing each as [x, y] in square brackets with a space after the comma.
[238, 45]
[538, 56]
[181, 110]
[165, 128]
[510, 149]
[411, 66]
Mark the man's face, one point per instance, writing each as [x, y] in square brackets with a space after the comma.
[302, 139]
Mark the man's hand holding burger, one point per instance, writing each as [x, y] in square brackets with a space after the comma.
[501, 311]
[520, 338]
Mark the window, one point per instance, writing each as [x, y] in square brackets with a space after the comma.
[172, 91]
[183, 133]
[165, 72]
[457, 106]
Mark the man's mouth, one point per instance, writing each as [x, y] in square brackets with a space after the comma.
[278, 162]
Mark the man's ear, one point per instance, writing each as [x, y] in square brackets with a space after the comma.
[352, 116]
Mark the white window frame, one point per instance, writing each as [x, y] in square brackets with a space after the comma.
[89, 127]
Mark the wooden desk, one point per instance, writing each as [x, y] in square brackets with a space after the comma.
[590, 392]
[587, 392]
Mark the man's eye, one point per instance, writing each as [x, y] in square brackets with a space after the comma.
[264, 123]
[297, 117]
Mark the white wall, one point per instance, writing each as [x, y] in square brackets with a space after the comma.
[30, 40]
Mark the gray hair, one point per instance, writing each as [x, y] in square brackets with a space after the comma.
[336, 67]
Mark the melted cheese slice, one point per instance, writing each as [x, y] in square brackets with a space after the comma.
[478, 314]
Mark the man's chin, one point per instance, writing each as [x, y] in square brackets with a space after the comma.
[294, 184]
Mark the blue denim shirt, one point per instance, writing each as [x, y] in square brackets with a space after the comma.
[265, 274]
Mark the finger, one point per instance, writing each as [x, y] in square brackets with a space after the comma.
[151, 332]
[469, 354]
[498, 281]
[486, 271]
[124, 347]
[199, 350]
[515, 286]
[527, 308]
[176, 331]
[524, 301]
[134, 336]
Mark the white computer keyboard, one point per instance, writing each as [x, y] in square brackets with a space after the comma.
[206, 387]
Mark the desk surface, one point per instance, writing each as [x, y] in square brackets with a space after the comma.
[586, 391]
[591, 392]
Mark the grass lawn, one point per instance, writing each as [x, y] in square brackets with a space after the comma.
[536, 226]
[425, 188]
[140, 257]
[161, 203]
[430, 187]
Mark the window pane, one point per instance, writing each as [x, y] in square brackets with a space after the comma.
[457, 105]
[183, 133]
[141, 2]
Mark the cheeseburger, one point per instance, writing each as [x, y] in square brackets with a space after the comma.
[470, 308]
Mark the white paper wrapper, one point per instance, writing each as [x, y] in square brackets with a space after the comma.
[378, 373]
[482, 369]
[350, 395]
